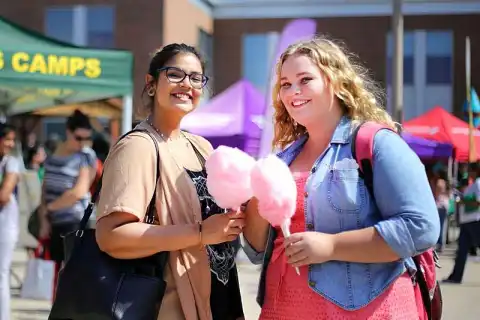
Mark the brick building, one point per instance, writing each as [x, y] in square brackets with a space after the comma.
[434, 42]
[139, 26]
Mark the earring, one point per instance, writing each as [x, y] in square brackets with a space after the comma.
[151, 91]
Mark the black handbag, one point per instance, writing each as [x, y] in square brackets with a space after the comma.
[95, 286]
[33, 224]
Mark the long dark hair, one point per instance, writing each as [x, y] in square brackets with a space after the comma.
[31, 152]
[5, 129]
[101, 147]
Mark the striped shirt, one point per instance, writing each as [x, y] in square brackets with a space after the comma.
[61, 173]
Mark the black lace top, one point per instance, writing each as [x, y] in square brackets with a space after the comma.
[225, 299]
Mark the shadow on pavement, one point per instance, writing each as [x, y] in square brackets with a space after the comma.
[45, 311]
[463, 284]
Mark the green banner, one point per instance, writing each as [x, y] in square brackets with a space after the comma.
[38, 72]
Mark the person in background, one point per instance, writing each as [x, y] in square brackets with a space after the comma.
[69, 172]
[52, 143]
[35, 159]
[464, 181]
[101, 147]
[9, 213]
[469, 225]
[31, 140]
[442, 199]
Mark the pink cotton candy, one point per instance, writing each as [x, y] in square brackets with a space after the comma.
[274, 187]
[228, 179]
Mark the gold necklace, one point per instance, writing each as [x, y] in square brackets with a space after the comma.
[150, 122]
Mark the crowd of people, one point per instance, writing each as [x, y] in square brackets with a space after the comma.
[354, 246]
[66, 170]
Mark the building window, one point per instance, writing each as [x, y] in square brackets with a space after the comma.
[439, 64]
[91, 26]
[100, 26]
[407, 70]
[59, 23]
[205, 45]
[408, 58]
[257, 58]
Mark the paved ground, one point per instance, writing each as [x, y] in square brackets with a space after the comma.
[461, 301]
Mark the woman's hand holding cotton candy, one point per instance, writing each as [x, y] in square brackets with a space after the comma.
[220, 228]
[305, 248]
[228, 179]
[274, 187]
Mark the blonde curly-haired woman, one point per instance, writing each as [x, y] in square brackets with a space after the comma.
[353, 248]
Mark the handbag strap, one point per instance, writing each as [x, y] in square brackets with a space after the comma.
[150, 215]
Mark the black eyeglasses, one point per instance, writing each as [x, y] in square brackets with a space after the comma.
[177, 75]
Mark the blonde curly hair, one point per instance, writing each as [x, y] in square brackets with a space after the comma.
[360, 98]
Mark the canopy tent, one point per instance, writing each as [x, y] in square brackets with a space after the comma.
[232, 118]
[428, 149]
[440, 125]
[108, 108]
[37, 72]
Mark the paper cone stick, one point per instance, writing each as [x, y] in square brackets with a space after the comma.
[286, 233]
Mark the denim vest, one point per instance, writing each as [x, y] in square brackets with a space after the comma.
[402, 210]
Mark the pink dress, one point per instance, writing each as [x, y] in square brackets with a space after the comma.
[288, 296]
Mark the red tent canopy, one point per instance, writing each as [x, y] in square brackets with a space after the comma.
[440, 125]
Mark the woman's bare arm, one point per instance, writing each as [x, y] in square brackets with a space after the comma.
[122, 236]
[128, 187]
[8, 185]
[69, 197]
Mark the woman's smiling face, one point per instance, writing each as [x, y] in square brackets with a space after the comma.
[304, 90]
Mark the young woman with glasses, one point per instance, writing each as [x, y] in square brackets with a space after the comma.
[201, 275]
[68, 175]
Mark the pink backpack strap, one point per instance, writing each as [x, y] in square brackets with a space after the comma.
[362, 149]
[362, 140]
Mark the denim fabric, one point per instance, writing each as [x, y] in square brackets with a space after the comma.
[402, 210]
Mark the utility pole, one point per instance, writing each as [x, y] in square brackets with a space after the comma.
[397, 61]
[472, 153]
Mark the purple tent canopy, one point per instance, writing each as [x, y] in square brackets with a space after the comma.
[428, 149]
[232, 118]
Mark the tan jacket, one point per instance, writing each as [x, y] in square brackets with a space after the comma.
[128, 185]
